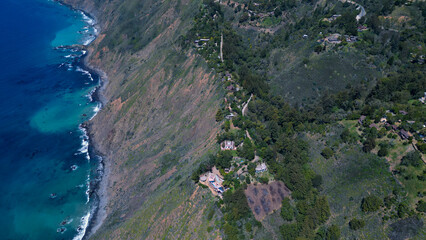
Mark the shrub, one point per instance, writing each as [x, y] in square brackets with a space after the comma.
[317, 181]
[356, 224]
[389, 201]
[227, 125]
[248, 227]
[421, 147]
[305, 61]
[403, 209]
[345, 136]
[327, 153]
[333, 233]
[371, 204]
[264, 180]
[383, 152]
[219, 115]
[421, 206]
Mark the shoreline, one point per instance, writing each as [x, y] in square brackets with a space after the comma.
[98, 187]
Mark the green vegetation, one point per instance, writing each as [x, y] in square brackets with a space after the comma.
[412, 159]
[348, 180]
[327, 153]
[421, 206]
[333, 84]
[287, 211]
[371, 204]
[356, 224]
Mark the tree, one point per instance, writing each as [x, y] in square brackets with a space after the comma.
[345, 136]
[236, 204]
[244, 17]
[219, 115]
[224, 158]
[251, 168]
[356, 224]
[227, 125]
[383, 151]
[333, 233]
[247, 151]
[327, 153]
[369, 144]
[289, 231]
[422, 147]
[287, 211]
[371, 204]
[412, 159]
[321, 210]
[348, 22]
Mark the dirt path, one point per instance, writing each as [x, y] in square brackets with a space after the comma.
[246, 105]
[248, 135]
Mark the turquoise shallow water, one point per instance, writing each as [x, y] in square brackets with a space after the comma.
[44, 96]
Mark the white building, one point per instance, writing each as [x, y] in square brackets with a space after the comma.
[261, 168]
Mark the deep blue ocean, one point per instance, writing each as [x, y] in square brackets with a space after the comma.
[45, 168]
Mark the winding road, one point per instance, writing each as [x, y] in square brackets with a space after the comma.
[362, 13]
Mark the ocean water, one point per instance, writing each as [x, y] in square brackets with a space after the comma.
[45, 167]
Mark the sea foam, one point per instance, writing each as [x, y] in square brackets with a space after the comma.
[84, 222]
[84, 72]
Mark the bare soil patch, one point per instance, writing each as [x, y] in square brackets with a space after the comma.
[264, 199]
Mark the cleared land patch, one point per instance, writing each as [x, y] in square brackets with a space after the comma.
[264, 199]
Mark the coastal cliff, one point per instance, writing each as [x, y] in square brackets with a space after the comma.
[157, 121]
[313, 108]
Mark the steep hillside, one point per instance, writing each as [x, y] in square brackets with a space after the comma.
[314, 103]
[158, 119]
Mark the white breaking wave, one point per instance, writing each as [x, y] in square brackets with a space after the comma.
[85, 72]
[84, 222]
[84, 144]
[91, 22]
[90, 95]
[96, 110]
[88, 189]
[89, 40]
[87, 19]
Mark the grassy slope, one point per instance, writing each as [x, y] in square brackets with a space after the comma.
[158, 122]
[328, 71]
[348, 177]
[351, 175]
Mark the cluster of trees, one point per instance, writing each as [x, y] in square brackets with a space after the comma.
[270, 5]
[208, 23]
[412, 159]
[400, 87]
[274, 124]
[236, 208]
[287, 210]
